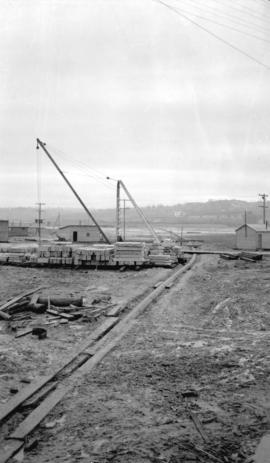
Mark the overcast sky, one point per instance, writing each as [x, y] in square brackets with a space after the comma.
[132, 90]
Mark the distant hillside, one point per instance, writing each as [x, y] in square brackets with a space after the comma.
[225, 212]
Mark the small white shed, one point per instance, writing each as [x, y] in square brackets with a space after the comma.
[253, 237]
[81, 233]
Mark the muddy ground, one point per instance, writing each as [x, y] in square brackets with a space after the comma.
[208, 337]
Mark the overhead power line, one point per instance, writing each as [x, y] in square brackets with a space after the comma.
[223, 25]
[239, 20]
[263, 1]
[247, 10]
[234, 47]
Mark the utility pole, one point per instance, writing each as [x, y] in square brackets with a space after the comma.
[264, 196]
[39, 221]
[43, 146]
[117, 219]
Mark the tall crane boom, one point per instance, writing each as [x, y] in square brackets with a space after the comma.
[42, 145]
[140, 212]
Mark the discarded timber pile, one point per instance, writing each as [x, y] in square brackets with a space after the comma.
[101, 254]
[21, 311]
[130, 253]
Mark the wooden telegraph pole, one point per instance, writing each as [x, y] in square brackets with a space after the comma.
[264, 196]
[39, 221]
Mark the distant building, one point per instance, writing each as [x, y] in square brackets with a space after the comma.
[3, 231]
[18, 230]
[253, 237]
[81, 233]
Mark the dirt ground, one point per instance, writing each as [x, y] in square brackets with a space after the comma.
[207, 338]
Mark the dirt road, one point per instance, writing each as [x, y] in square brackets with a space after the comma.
[207, 339]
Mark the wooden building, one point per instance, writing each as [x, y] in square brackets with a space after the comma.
[253, 237]
[81, 234]
[3, 231]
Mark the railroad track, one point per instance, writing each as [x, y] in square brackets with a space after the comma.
[35, 402]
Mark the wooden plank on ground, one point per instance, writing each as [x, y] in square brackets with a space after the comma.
[40, 394]
[158, 284]
[102, 348]
[104, 328]
[115, 311]
[11, 405]
[18, 298]
[53, 312]
[168, 285]
[4, 315]
[32, 421]
[10, 449]
[24, 332]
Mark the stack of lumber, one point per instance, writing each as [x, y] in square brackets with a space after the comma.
[55, 254]
[4, 257]
[163, 255]
[130, 253]
[16, 258]
[163, 260]
[91, 255]
[15, 255]
[156, 248]
[18, 249]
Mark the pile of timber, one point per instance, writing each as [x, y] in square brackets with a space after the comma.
[156, 249]
[59, 309]
[93, 255]
[130, 253]
[163, 255]
[163, 260]
[57, 254]
[16, 255]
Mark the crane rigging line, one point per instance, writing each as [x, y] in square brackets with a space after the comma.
[234, 47]
[223, 25]
[240, 21]
[66, 156]
[83, 167]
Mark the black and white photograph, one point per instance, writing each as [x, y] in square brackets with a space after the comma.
[135, 231]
